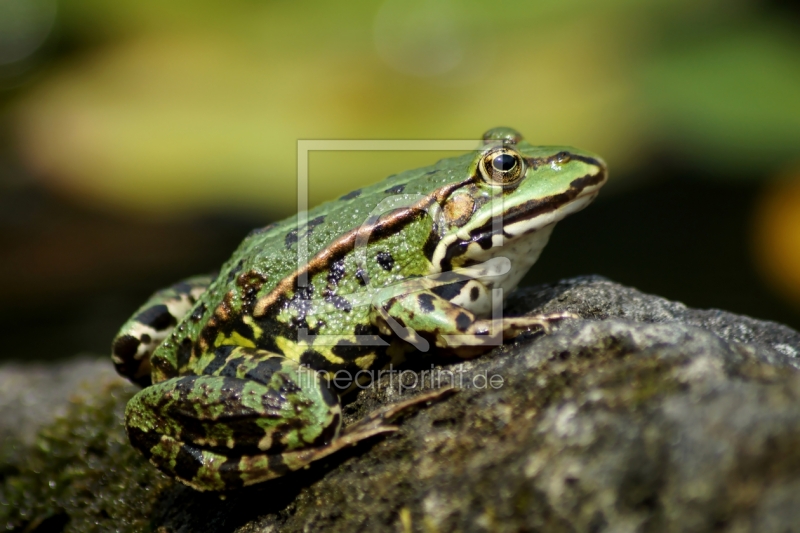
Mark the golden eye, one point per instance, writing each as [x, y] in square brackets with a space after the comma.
[502, 166]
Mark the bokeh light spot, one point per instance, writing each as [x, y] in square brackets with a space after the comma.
[777, 236]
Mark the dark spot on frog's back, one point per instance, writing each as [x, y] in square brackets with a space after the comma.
[340, 303]
[426, 303]
[157, 317]
[474, 293]
[251, 279]
[397, 189]
[198, 313]
[336, 272]
[235, 270]
[352, 194]
[293, 236]
[385, 260]
[184, 353]
[303, 292]
[314, 222]
[290, 239]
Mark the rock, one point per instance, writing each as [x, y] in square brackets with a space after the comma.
[65, 463]
[33, 395]
[645, 415]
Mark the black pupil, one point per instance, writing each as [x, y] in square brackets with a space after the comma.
[504, 162]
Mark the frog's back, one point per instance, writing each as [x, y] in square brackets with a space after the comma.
[267, 291]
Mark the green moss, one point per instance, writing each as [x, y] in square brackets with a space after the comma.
[81, 474]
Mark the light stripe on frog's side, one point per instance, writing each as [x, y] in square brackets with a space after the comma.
[374, 230]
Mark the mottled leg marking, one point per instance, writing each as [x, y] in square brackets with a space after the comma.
[257, 416]
[452, 327]
[151, 324]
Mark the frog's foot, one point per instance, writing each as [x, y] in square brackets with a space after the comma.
[151, 324]
[513, 326]
[375, 423]
[426, 315]
[385, 415]
[487, 333]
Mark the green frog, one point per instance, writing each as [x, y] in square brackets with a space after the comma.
[243, 370]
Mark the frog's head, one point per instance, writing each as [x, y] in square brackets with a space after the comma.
[516, 191]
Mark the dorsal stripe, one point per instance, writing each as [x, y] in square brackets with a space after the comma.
[341, 246]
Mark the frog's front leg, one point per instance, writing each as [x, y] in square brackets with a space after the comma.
[450, 326]
[256, 417]
[151, 324]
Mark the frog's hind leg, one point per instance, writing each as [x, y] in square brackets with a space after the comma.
[151, 324]
[255, 417]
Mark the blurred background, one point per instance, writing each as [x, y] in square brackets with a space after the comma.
[141, 140]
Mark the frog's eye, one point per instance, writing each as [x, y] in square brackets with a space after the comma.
[502, 166]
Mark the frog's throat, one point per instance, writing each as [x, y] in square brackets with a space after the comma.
[340, 247]
[486, 240]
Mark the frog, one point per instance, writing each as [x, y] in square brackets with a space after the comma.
[243, 372]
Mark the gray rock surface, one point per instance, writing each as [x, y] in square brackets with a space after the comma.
[34, 395]
[645, 415]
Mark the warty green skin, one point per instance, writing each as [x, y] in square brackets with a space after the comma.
[240, 370]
